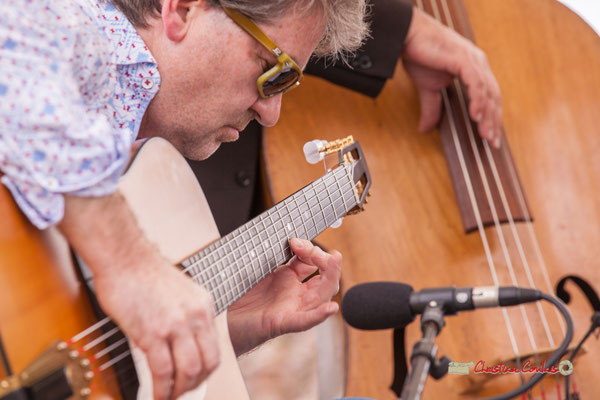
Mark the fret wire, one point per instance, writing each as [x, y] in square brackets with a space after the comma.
[335, 218]
[320, 204]
[305, 214]
[219, 289]
[277, 250]
[339, 185]
[264, 249]
[232, 266]
[228, 302]
[287, 248]
[254, 254]
[301, 220]
[278, 241]
[349, 192]
[289, 213]
[249, 262]
[317, 204]
[312, 216]
[241, 259]
[225, 281]
[261, 256]
[322, 200]
[231, 263]
[290, 223]
[267, 240]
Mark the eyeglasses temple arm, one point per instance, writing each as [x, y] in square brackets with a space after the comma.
[249, 26]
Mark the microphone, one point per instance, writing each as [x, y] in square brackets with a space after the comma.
[385, 305]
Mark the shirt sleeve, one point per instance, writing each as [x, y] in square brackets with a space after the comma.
[370, 67]
[55, 134]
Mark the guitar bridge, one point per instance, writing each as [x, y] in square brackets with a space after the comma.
[59, 373]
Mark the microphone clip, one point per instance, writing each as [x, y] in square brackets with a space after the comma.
[423, 358]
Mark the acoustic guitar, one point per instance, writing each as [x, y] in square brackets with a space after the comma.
[44, 304]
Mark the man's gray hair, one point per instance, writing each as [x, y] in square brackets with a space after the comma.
[345, 20]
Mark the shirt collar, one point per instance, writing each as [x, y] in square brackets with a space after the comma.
[129, 48]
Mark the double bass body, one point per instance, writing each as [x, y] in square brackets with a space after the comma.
[547, 62]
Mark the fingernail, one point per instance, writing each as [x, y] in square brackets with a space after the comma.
[497, 142]
[478, 117]
[296, 243]
[332, 308]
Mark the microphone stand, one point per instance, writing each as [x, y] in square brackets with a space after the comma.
[423, 358]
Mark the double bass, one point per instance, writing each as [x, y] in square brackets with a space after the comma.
[525, 215]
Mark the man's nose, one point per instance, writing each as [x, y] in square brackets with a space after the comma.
[267, 110]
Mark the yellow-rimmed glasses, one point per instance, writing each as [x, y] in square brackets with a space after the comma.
[282, 77]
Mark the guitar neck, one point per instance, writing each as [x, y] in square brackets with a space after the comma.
[231, 266]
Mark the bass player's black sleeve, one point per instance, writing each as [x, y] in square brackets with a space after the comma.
[375, 62]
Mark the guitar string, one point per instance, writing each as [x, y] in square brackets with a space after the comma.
[101, 323]
[507, 210]
[261, 251]
[475, 208]
[238, 276]
[214, 253]
[98, 325]
[120, 357]
[238, 271]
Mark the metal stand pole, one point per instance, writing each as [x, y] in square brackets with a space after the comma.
[423, 357]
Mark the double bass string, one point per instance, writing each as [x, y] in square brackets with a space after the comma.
[473, 143]
[509, 214]
[477, 215]
[501, 190]
[536, 246]
[505, 205]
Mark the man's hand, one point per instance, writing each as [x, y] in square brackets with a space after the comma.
[433, 55]
[281, 303]
[162, 311]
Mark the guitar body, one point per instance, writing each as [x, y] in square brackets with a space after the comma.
[547, 61]
[160, 179]
[41, 298]
[43, 301]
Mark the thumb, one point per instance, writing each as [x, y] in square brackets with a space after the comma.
[307, 319]
[431, 106]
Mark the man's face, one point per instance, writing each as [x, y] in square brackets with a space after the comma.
[208, 80]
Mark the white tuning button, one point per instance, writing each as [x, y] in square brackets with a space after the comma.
[337, 223]
[312, 150]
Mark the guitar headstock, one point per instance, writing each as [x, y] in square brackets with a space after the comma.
[343, 152]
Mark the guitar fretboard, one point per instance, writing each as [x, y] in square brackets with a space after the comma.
[234, 264]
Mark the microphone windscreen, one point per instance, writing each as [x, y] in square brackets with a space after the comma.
[378, 305]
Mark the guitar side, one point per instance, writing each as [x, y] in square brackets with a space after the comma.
[42, 300]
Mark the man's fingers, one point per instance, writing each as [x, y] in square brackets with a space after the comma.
[311, 255]
[208, 346]
[431, 108]
[188, 362]
[307, 319]
[161, 366]
[301, 269]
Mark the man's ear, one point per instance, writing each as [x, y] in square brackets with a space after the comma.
[175, 19]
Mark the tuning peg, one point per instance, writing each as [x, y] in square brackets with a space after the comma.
[313, 150]
[337, 223]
